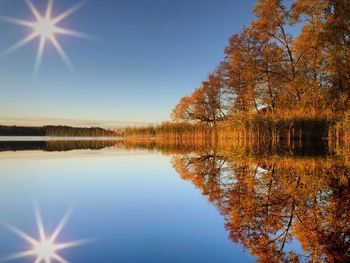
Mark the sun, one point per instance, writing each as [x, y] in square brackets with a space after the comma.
[45, 249]
[45, 28]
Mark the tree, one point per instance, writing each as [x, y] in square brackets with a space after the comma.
[204, 105]
[309, 46]
[270, 27]
[240, 56]
[337, 39]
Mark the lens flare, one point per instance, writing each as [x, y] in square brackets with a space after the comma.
[45, 27]
[44, 249]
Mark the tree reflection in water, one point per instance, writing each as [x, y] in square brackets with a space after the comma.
[272, 202]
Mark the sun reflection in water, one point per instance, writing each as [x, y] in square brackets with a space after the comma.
[45, 248]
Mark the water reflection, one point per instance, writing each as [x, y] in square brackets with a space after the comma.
[45, 249]
[269, 203]
[272, 198]
[55, 146]
[282, 203]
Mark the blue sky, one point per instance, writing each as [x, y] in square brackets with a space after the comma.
[145, 55]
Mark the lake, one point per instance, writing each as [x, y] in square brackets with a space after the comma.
[159, 201]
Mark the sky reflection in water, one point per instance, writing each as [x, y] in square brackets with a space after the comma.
[133, 205]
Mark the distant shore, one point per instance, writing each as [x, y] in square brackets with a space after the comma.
[55, 131]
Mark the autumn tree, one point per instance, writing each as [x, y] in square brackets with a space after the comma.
[310, 48]
[204, 105]
[254, 72]
[337, 39]
[241, 56]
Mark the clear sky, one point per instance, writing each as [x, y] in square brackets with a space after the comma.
[143, 57]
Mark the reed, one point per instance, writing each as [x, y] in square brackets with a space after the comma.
[265, 129]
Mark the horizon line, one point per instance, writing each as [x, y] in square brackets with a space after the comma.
[43, 121]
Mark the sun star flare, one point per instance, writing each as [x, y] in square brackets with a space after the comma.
[46, 29]
[45, 249]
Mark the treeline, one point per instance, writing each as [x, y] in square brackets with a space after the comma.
[293, 60]
[21, 131]
[55, 131]
[62, 131]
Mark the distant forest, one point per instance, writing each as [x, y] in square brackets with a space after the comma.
[56, 131]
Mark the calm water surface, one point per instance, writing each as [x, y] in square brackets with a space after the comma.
[132, 204]
[147, 201]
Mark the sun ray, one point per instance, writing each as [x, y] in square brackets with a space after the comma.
[72, 244]
[20, 43]
[44, 249]
[33, 9]
[67, 13]
[61, 225]
[17, 21]
[49, 9]
[21, 234]
[19, 255]
[39, 222]
[39, 55]
[68, 32]
[62, 53]
[45, 27]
